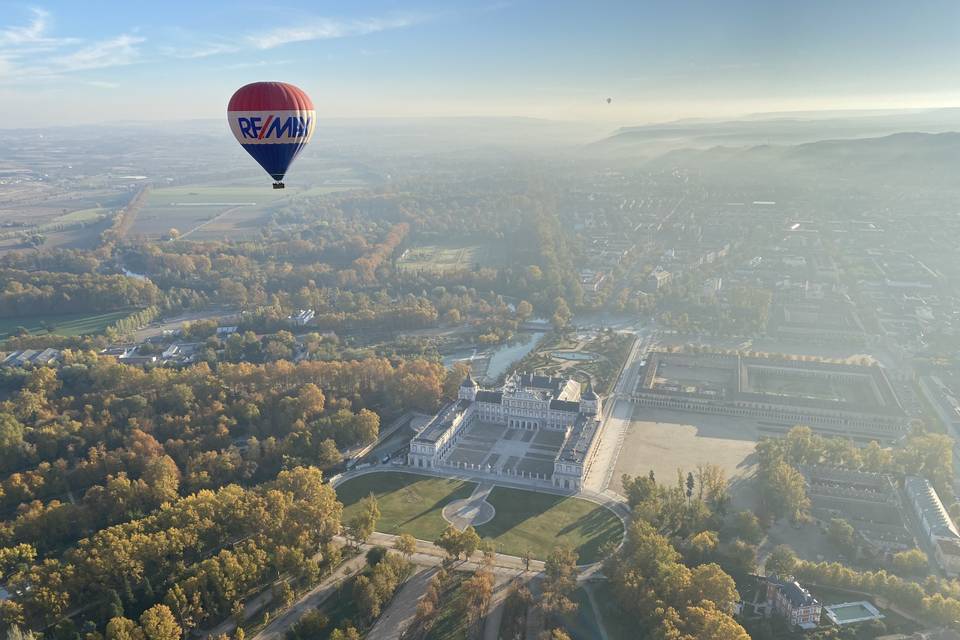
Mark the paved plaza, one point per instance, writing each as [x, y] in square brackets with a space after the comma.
[471, 512]
[496, 448]
[664, 441]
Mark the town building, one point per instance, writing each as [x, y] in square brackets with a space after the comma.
[842, 399]
[32, 357]
[526, 402]
[935, 522]
[658, 279]
[786, 598]
[302, 317]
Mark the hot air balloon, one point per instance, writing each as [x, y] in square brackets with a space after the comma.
[609, 100]
[273, 121]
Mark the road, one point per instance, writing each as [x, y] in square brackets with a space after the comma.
[505, 567]
[617, 417]
[394, 622]
[277, 628]
[222, 214]
[222, 316]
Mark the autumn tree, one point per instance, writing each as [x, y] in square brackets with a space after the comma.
[123, 629]
[840, 533]
[781, 561]
[912, 562]
[362, 525]
[458, 543]
[559, 582]
[478, 590]
[746, 526]
[405, 544]
[158, 623]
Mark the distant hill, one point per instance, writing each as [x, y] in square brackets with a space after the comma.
[914, 159]
[774, 128]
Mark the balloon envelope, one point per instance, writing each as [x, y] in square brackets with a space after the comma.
[273, 121]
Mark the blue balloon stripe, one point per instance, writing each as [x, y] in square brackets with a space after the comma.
[274, 158]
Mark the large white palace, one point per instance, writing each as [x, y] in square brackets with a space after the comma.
[526, 401]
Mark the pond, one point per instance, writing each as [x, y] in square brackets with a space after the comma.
[505, 355]
[500, 358]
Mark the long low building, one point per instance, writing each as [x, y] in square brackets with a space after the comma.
[526, 402]
[832, 398]
[935, 522]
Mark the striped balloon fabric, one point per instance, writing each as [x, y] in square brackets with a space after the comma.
[273, 121]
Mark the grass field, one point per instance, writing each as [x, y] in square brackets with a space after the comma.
[84, 215]
[542, 521]
[438, 259]
[408, 503]
[75, 324]
[617, 624]
[450, 623]
[524, 519]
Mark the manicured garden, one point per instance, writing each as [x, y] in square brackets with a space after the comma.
[524, 520]
[408, 503]
[542, 521]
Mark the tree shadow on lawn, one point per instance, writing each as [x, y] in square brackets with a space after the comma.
[516, 506]
[385, 485]
[512, 513]
[459, 493]
[599, 527]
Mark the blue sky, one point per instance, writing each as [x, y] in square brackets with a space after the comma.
[100, 60]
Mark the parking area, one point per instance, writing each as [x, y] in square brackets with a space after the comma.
[497, 448]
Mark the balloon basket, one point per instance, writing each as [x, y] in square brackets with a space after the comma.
[279, 185]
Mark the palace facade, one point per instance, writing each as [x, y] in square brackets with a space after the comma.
[528, 402]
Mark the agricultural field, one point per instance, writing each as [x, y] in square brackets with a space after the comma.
[189, 208]
[85, 237]
[64, 224]
[200, 212]
[437, 259]
[74, 324]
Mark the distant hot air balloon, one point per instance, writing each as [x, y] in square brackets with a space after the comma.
[273, 121]
[609, 100]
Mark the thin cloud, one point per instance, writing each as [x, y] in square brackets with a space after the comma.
[118, 51]
[328, 29]
[205, 50]
[31, 32]
[103, 84]
[21, 44]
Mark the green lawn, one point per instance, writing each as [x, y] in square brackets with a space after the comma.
[524, 519]
[617, 624]
[582, 624]
[73, 324]
[408, 503]
[451, 624]
[541, 521]
[441, 258]
[84, 215]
